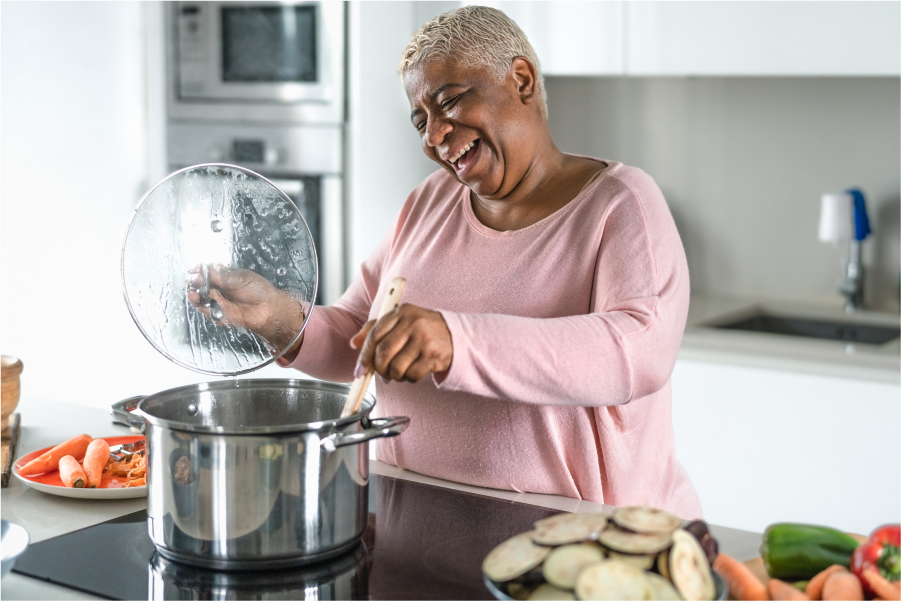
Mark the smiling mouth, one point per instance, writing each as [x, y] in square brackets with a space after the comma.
[464, 157]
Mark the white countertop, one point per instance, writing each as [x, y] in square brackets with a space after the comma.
[875, 363]
[46, 423]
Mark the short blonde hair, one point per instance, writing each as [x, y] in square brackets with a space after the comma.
[475, 36]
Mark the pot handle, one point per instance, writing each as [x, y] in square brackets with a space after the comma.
[122, 412]
[379, 428]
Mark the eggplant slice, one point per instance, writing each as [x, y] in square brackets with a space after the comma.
[513, 557]
[563, 564]
[663, 564]
[549, 592]
[646, 519]
[663, 588]
[634, 543]
[689, 569]
[612, 579]
[642, 562]
[568, 528]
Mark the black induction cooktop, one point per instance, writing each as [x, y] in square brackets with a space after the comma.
[422, 542]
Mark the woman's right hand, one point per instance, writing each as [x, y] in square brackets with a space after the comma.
[248, 300]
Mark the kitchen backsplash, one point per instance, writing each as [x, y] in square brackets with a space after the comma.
[743, 161]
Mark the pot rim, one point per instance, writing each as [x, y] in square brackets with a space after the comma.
[232, 383]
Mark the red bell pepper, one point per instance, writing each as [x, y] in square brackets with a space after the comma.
[881, 551]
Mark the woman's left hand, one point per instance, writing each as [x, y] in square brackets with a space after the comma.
[406, 345]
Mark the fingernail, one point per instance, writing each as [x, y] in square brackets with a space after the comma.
[359, 370]
[353, 344]
[384, 379]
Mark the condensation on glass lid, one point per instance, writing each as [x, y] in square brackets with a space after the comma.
[205, 247]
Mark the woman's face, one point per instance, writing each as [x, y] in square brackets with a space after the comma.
[483, 131]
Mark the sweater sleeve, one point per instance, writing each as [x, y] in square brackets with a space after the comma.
[624, 348]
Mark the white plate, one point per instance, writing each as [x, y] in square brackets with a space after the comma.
[85, 493]
[80, 493]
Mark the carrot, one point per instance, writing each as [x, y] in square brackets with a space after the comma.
[49, 461]
[843, 585]
[95, 460]
[884, 588]
[815, 586]
[71, 473]
[743, 584]
[779, 590]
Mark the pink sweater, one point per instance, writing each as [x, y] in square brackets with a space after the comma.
[565, 334]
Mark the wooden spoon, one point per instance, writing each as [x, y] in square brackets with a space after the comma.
[358, 388]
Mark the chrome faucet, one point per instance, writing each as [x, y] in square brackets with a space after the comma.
[851, 284]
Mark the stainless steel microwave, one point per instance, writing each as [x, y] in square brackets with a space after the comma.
[256, 61]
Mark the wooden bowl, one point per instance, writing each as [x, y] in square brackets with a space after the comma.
[9, 380]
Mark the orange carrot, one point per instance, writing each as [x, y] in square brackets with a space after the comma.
[742, 583]
[71, 473]
[95, 460]
[779, 590]
[843, 585]
[886, 589]
[49, 461]
[814, 588]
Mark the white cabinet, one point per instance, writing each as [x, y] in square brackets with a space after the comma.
[764, 446]
[572, 38]
[763, 38]
[712, 38]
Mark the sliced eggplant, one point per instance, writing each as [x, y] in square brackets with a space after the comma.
[648, 520]
[549, 592]
[513, 557]
[612, 579]
[563, 564]
[689, 569]
[568, 528]
[663, 588]
[700, 531]
[663, 564]
[634, 543]
[642, 562]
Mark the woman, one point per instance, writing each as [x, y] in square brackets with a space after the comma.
[546, 293]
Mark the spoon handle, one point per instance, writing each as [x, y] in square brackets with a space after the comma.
[358, 388]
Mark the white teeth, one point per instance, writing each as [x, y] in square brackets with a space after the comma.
[462, 152]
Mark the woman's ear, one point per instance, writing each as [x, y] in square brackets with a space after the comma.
[523, 73]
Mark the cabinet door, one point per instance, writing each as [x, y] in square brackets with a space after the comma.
[571, 38]
[765, 446]
[763, 38]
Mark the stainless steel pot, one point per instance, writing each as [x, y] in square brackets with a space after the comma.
[248, 474]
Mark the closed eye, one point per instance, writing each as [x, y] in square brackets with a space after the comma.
[450, 101]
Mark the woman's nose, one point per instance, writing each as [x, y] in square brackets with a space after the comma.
[436, 130]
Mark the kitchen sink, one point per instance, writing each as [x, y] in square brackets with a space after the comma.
[815, 328]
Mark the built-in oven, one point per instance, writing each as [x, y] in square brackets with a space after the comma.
[260, 61]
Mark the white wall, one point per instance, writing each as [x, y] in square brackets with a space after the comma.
[743, 161]
[385, 161]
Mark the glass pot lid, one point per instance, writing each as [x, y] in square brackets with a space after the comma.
[219, 269]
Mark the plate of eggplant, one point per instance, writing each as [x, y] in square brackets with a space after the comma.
[637, 552]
